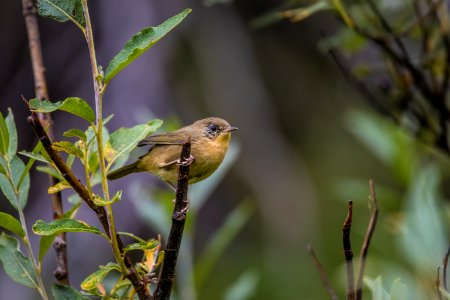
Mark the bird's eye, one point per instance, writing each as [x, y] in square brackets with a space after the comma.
[213, 128]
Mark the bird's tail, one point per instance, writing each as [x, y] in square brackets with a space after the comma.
[121, 172]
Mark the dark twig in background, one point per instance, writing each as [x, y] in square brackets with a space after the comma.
[444, 269]
[139, 284]
[167, 275]
[348, 253]
[60, 244]
[323, 275]
[367, 239]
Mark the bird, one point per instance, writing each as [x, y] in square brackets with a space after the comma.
[210, 138]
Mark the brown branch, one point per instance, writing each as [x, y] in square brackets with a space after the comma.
[348, 253]
[29, 13]
[167, 275]
[367, 239]
[444, 268]
[139, 285]
[323, 275]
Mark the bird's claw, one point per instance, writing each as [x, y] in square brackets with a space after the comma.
[187, 162]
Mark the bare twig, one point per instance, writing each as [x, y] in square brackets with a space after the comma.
[438, 283]
[348, 253]
[367, 239]
[29, 13]
[167, 275]
[444, 269]
[323, 275]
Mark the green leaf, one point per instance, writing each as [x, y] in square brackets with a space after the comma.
[12, 224]
[44, 245]
[140, 43]
[141, 246]
[18, 267]
[35, 156]
[67, 147]
[424, 235]
[98, 200]
[12, 132]
[299, 14]
[4, 136]
[62, 185]
[92, 281]
[243, 287]
[50, 171]
[376, 288]
[65, 292]
[63, 225]
[15, 193]
[124, 140]
[73, 105]
[222, 238]
[75, 133]
[62, 11]
[70, 213]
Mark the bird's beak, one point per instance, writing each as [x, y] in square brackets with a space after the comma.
[229, 129]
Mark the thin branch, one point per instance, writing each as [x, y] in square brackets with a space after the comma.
[323, 275]
[167, 275]
[139, 285]
[348, 253]
[438, 283]
[367, 239]
[444, 268]
[29, 13]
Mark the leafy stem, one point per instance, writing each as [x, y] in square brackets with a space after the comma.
[26, 238]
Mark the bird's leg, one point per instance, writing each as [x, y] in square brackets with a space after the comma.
[187, 162]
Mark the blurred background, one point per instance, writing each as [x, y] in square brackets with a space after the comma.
[306, 144]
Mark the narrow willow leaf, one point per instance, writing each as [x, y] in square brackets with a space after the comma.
[98, 200]
[63, 225]
[141, 246]
[15, 192]
[95, 279]
[70, 213]
[12, 224]
[124, 140]
[140, 43]
[4, 136]
[44, 245]
[299, 14]
[73, 105]
[35, 156]
[75, 133]
[62, 10]
[50, 171]
[12, 133]
[18, 267]
[62, 185]
[65, 292]
[67, 147]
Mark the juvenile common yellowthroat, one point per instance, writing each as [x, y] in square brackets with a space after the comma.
[209, 137]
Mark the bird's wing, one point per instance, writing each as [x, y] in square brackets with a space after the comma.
[171, 138]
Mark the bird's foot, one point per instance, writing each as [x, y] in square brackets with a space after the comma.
[187, 162]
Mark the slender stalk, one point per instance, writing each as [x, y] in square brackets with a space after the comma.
[125, 263]
[367, 239]
[348, 253]
[167, 275]
[29, 12]
[36, 266]
[323, 275]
